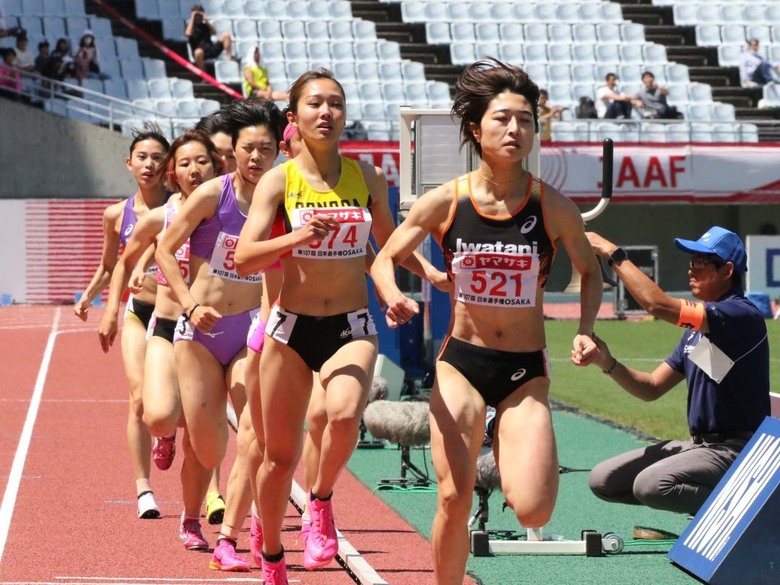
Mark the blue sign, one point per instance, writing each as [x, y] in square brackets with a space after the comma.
[734, 538]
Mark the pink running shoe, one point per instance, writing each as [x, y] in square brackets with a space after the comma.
[256, 540]
[163, 451]
[322, 543]
[275, 573]
[189, 532]
[226, 559]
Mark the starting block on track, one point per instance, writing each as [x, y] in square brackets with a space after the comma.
[592, 544]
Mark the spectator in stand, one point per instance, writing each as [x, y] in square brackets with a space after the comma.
[547, 114]
[25, 60]
[87, 57]
[651, 100]
[10, 80]
[67, 70]
[755, 70]
[256, 82]
[611, 103]
[199, 32]
[43, 58]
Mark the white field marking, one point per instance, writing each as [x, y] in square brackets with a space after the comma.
[63, 580]
[365, 573]
[15, 477]
[79, 400]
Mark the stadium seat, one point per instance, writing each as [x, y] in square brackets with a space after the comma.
[685, 14]
[340, 30]
[269, 30]
[388, 50]
[535, 32]
[245, 29]
[131, 68]
[535, 53]
[733, 34]
[227, 71]
[559, 32]
[584, 33]
[340, 10]
[437, 33]
[463, 32]
[748, 132]
[512, 32]
[708, 35]
[487, 32]
[652, 132]
[631, 32]
[391, 71]
[414, 11]
[699, 92]
[654, 53]
[153, 68]
[54, 27]
[511, 53]
[678, 132]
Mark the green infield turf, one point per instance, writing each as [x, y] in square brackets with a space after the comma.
[594, 419]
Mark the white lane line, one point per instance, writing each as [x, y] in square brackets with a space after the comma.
[365, 573]
[15, 477]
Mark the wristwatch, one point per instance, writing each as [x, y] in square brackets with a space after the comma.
[617, 256]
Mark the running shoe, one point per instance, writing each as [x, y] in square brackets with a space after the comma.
[275, 573]
[256, 540]
[321, 543]
[215, 508]
[163, 451]
[190, 534]
[226, 559]
[147, 506]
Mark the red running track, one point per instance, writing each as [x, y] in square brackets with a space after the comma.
[68, 511]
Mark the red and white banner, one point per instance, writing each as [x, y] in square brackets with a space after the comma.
[646, 173]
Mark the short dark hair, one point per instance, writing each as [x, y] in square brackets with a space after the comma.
[482, 81]
[650, 73]
[215, 122]
[254, 112]
[42, 44]
[150, 131]
[608, 75]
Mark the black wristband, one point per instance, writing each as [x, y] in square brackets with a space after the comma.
[611, 368]
[188, 316]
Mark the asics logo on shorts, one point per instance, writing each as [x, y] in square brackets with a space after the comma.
[517, 375]
[347, 333]
[528, 225]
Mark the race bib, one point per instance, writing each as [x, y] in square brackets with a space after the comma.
[349, 239]
[223, 260]
[496, 279]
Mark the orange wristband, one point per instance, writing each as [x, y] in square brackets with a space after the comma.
[691, 315]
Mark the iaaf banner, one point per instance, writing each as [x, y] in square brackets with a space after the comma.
[685, 173]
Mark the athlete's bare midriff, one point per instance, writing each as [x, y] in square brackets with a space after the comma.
[225, 296]
[324, 287]
[505, 329]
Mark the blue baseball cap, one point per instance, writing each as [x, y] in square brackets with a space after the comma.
[719, 241]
